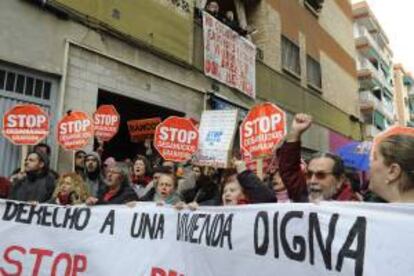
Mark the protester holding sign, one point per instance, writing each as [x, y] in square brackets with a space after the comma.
[254, 189]
[38, 184]
[392, 168]
[325, 175]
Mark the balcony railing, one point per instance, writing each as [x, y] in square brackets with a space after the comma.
[365, 64]
[371, 131]
[368, 100]
[362, 33]
[411, 93]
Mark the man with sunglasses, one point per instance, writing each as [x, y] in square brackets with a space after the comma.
[324, 178]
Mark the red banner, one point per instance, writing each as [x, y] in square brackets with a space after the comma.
[106, 122]
[262, 129]
[176, 139]
[139, 130]
[74, 130]
[25, 124]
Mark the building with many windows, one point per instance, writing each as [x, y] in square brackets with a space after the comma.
[404, 96]
[375, 71]
[147, 59]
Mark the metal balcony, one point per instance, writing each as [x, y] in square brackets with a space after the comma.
[365, 43]
[369, 76]
[368, 101]
[371, 131]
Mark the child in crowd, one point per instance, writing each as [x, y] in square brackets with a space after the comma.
[70, 190]
[233, 194]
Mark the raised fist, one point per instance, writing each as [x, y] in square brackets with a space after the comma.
[301, 122]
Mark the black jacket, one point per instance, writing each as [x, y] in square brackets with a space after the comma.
[205, 191]
[255, 190]
[124, 195]
[34, 188]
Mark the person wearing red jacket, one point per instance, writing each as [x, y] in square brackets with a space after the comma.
[324, 178]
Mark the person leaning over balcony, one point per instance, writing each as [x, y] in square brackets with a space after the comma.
[392, 169]
[231, 22]
[213, 8]
[325, 175]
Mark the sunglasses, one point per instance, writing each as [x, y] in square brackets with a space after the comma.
[320, 175]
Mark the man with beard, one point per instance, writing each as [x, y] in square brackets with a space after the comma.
[37, 185]
[80, 163]
[93, 176]
[324, 178]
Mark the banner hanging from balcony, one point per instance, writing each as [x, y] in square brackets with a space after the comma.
[229, 57]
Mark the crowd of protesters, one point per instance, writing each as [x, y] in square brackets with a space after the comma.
[323, 177]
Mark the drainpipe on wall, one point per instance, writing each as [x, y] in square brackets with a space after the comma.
[61, 101]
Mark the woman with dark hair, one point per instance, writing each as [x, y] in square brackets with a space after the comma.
[392, 168]
[141, 174]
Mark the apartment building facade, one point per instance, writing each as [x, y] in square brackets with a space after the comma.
[375, 71]
[404, 96]
[146, 58]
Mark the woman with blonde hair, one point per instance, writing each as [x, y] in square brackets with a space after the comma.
[70, 190]
[392, 168]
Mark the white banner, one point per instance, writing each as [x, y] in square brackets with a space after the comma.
[229, 57]
[272, 239]
[216, 136]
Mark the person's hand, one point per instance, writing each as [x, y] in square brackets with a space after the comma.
[240, 165]
[301, 122]
[180, 205]
[160, 203]
[131, 204]
[18, 176]
[193, 206]
[91, 200]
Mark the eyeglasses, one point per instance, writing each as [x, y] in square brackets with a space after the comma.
[318, 175]
[111, 171]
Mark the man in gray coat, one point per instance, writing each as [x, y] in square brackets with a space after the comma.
[38, 184]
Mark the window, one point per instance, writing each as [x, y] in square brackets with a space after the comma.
[379, 120]
[25, 85]
[290, 57]
[314, 5]
[314, 72]
[2, 78]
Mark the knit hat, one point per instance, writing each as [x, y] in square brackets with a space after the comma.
[95, 155]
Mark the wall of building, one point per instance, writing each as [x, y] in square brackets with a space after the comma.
[150, 23]
[327, 38]
[400, 97]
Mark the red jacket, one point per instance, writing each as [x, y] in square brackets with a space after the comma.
[295, 180]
